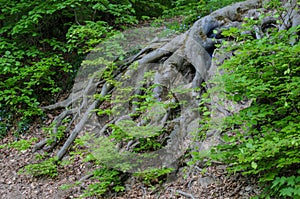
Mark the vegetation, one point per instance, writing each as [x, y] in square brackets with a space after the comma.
[262, 139]
[153, 176]
[43, 44]
[46, 167]
[19, 145]
[108, 180]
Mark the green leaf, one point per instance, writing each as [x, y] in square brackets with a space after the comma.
[254, 165]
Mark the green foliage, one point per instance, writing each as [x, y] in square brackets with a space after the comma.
[41, 156]
[5, 117]
[192, 10]
[262, 139]
[42, 44]
[104, 179]
[154, 8]
[148, 144]
[108, 180]
[45, 168]
[153, 176]
[54, 132]
[84, 37]
[20, 145]
[287, 186]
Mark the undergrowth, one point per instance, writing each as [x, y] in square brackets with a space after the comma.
[262, 139]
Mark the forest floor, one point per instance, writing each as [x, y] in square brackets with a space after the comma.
[190, 182]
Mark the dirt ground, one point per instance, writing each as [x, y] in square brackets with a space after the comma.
[188, 183]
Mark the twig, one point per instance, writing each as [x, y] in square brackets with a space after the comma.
[189, 185]
[76, 19]
[85, 177]
[185, 194]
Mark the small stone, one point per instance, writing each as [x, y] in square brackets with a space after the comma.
[248, 188]
[256, 191]
[205, 181]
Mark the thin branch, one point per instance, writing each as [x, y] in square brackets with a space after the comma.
[76, 19]
[185, 194]
[81, 180]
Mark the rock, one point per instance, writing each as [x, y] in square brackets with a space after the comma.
[206, 181]
[248, 188]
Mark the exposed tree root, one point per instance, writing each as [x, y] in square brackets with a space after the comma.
[183, 61]
[188, 54]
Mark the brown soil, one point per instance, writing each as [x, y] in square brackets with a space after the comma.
[192, 183]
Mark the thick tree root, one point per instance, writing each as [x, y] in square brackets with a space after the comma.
[182, 61]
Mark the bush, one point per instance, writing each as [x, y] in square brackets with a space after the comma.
[43, 43]
[263, 139]
[192, 10]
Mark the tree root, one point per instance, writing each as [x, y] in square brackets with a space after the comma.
[57, 122]
[105, 89]
[183, 60]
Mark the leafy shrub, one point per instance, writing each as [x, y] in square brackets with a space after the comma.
[108, 179]
[153, 176]
[262, 139]
[19, 145]
[42, 44]
[192, 10]
[45, 168]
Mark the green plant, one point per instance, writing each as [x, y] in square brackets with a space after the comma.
[153, 176]
[287, 186]
[262, 139]
[43, 43]
[148, 144]
[192, 10]
[39, 156]
[20, 145]
[55, 132]
[45, 168]
[108, 180]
